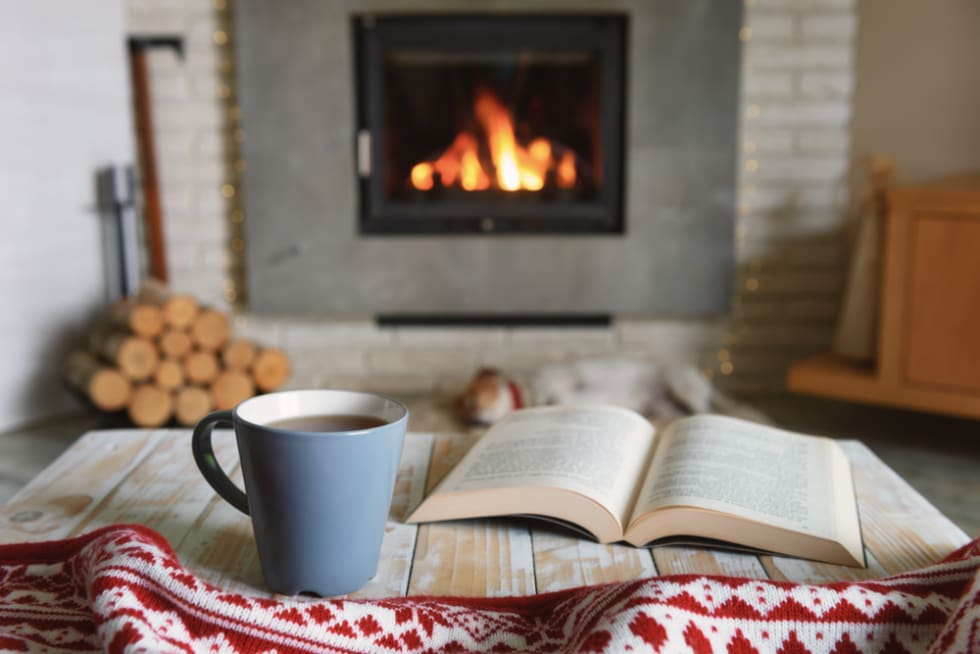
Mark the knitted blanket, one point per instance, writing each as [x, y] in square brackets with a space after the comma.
[122, 588]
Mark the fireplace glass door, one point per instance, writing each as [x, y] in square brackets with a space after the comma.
[490, 124]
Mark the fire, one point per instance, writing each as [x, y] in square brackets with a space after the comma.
[511, 166]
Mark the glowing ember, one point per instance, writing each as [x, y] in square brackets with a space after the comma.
[566, 171]
[422, 176]
[511, 167]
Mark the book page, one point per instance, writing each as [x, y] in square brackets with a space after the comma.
[600, 452]
[752, 471]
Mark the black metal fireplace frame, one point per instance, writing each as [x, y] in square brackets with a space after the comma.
[602, 32]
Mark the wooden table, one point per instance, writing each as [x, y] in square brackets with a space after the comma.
[149, 477]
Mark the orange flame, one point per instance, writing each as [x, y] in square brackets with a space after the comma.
[422, 176]
[514, 167]
[566, 170]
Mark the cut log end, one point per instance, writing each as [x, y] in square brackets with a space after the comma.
[142, 319]
[201, 367]
[271, 370]
[146, 321]
[239, 355]
[192, 404]
[178, 309]
[105, 387]
[175, 344]
[109, 390]
[169, 375]
[150, 406]
[210, 330]
[135, 357]
[230, 388]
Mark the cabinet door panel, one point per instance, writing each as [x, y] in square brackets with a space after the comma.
[942, 345]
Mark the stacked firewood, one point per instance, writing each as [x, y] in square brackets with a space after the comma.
[162, 357]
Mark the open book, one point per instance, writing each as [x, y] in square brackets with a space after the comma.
[606, 470]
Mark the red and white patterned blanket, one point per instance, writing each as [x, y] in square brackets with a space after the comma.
[122, 588]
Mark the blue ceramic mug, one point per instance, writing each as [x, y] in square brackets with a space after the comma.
[318, 499]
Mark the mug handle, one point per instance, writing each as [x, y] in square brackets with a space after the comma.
[207, 462]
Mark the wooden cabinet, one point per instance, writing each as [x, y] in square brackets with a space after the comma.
[929, 320]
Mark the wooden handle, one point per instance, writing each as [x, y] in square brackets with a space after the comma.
[148, 165]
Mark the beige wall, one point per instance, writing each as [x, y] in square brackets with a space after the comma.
[917, 98]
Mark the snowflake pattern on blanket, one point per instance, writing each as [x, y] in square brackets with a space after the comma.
[122, 588]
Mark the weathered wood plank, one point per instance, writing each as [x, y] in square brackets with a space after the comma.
[899, 526]
[149, 477]
[165, 492]
[783, 568]
[480, 558]
[675, 560]
[66, 493]
[564, 561]
[398, 546]
[472, 557]
[220, 545]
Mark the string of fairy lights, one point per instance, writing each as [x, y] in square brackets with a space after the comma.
[234, 135]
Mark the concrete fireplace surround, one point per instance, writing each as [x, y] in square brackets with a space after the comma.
[304, 256]
[796, 88]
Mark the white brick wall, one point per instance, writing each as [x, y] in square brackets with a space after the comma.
[190, 120]
[795, 149]
[794, 138]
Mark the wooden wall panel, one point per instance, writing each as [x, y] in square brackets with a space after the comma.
[942, 339]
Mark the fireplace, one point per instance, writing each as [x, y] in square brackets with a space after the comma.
[490, 124]
[366, 121]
